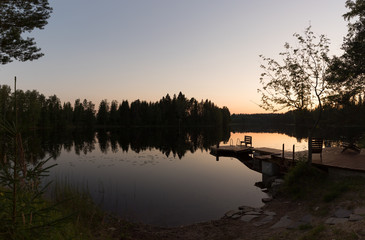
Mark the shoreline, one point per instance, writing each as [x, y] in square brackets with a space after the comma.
[315, 216]
[228, 228]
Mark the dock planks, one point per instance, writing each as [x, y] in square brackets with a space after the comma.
[241, 149]
[230, 150]
[332, 157]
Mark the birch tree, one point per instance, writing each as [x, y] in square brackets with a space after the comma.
[298, 80]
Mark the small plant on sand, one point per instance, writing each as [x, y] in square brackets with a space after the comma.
[314, 233]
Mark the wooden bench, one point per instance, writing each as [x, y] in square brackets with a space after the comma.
[350, 146]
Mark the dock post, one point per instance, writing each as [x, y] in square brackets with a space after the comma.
[293, 153]
[282, 154]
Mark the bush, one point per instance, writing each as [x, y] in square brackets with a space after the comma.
[302, 179]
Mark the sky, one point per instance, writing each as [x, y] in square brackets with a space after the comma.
[145, 49]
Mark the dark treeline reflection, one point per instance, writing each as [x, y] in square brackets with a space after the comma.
[170, 141]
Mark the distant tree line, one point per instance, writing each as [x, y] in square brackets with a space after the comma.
[37, 111]
[263, 120]
[350, 113]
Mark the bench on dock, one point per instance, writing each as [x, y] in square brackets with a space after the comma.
[247, 141]
[350, 146]
[317, 146]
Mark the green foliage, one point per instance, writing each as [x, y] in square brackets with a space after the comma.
[16, 18]
[344, 235]
[315, 233]
[347, 72]
[24, 212]
[88, 220]
[299, 78]
[335, 191]
[302, 179]
[305, 181]
[337, 187]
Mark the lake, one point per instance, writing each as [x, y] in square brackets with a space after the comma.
[163, 177]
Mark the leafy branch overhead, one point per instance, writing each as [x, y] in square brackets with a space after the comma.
[347, 72]
[298, 80]
[17, 18]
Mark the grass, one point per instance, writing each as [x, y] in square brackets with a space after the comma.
[306, 182]
[337, 187]
[321, 192]
[301, 181]
[88, 220]
[314, 233]
[344, 235]
[81, 218]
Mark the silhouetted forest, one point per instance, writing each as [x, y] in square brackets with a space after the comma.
[263, 119]
[37, 111]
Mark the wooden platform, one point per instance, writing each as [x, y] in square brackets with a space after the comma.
[230, 150]
[267, 151]
[262, 152]
[332, 157]
[348, 160]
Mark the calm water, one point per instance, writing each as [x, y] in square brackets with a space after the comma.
[160, 187]
[153, 188]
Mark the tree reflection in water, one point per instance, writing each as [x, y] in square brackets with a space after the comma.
[169, 141]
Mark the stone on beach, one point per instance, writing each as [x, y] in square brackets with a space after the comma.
[264, 221]
[359, 211]
[284, 222]
[253, 213]
[232, 213]
[246, 208]
[355, 217]
[268, 199]
[342, 213]
[248, 218]
[269, 213]
[334, 220]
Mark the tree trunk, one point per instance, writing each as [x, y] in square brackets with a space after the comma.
[310, 134]
[309, 159]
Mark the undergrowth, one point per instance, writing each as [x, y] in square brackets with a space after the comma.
[305, 181]
[302, 179]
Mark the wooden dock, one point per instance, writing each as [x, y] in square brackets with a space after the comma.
[333, 159]
[262, 153]
[230, 150]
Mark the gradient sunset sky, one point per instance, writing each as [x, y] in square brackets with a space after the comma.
[144, 49]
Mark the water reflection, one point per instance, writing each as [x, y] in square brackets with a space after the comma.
[161, 176]
[169, 141]
[296, 135]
